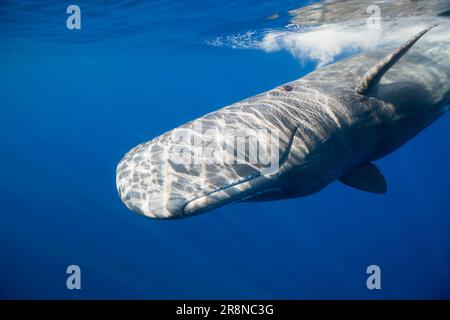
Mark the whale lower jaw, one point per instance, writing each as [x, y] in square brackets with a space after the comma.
[244, 190]
[223, 196]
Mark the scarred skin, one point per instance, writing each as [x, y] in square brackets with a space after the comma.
[326, 129]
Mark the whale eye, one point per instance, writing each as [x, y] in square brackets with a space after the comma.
[287, 87]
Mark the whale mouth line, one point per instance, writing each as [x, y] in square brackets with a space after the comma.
[226, 194]
[237, 190]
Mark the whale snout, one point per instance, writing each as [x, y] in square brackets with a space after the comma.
[154, 179]
[226, 156]
[149, 183]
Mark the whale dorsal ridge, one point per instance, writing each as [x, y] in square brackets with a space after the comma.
[372, 77]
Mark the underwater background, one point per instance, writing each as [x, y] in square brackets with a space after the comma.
[73, 102]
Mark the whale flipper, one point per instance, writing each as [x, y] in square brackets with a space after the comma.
[366, 177]
[372, 77]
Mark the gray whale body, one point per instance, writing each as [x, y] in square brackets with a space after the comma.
[331, 125]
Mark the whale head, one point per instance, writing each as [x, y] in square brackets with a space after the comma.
[200, 166]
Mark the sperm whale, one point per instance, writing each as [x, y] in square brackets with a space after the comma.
[330, 125]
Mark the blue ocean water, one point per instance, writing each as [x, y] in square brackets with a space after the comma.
[74, 101]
